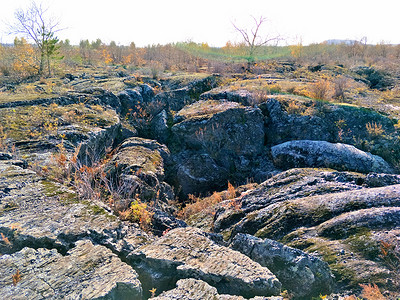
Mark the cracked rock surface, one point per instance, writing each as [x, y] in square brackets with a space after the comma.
[87, 272]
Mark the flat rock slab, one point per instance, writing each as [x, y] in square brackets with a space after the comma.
[302, 274]
[189, 253]
[43, 214]
[193, 289]
[87, 272]
[306, 153]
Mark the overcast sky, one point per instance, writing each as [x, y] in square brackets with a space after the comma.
[162, 21]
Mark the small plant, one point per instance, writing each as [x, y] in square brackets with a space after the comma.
[320, 89]
[340, 84]
[5, 239]
[374, 129]
[293, 108]
[371, 292]
[153, 292]
[391, 256]
[16, 277]
[231, 192]
[138, 213]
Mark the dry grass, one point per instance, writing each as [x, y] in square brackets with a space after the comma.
[374, 129]
[207, 204]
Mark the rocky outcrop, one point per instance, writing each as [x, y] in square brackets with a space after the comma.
[42, 214]
[291, 118]
[218, 141]
[302, 274]
[243, 97]
[176, 99]
[189, 253]
[137, 170]
[340, 216]
[306, 153]
[193, 289]
[86, 272]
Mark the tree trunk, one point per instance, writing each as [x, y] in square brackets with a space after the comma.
[41, 64]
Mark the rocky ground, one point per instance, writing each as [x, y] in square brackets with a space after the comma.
[120, 193]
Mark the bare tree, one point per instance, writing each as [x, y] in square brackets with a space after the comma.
[253, 39]
[34, 25]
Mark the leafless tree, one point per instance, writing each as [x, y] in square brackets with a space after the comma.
[253, 39]
[34, 24]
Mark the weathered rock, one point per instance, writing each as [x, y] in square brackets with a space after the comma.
[147, 92]
[138, 169]
[159, 127]
[42, 214]
[227, 139]
[291, 184]
[87, 272]
[314, 120]
[129, 99]
[303, 275]
[243, 97]
[370, 218]
[378, 180]
[280, 218]
[193, 289]
[306, 153]
[177, 99]
[222, 128]
[198, 173]
[162, 222]
[337, 215]
[291, 117]
[188, 253]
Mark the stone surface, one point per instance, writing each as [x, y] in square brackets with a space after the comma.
[43, 214]
[216, 141]
[303, 275]
[306, 153]
[188, 253]
[193, 289]
[86, 272]
[340, 216]
[138, 169]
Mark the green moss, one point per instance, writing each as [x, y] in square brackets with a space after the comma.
[362, 243]
[344, 274]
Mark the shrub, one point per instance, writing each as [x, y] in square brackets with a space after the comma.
[374, 129]
[340, 84]
[320, 89]
[138, 213]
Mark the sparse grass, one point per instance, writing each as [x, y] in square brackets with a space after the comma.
[205, 108]
[374, 129]
[39, 121]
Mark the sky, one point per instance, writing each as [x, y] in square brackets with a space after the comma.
[148, 22]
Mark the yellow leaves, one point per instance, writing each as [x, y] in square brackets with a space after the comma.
[153, 292]
[107, 57]
[5, 239]
[16, 277]
[374, 129]
[24, 58]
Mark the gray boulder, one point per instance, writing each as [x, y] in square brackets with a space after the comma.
[86, 272]
[301, 274]
[306, 153]
[129, 99]
[159, 127]
[243, 97]
[189, 253]
[138, 169]
[193, 289]
[197, 172]
[38, 213]
[226, 138]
